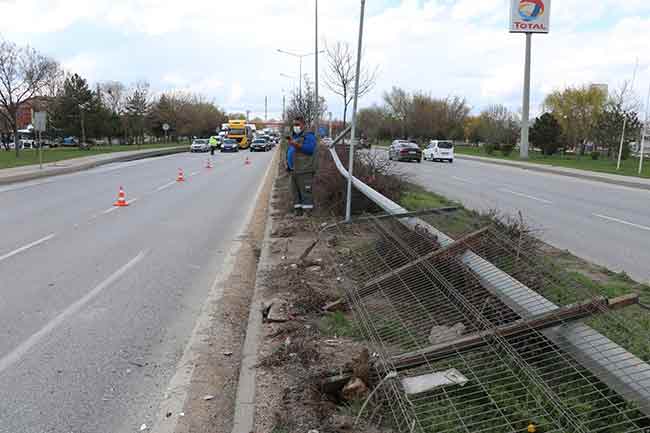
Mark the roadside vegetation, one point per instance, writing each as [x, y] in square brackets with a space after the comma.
[31, 157]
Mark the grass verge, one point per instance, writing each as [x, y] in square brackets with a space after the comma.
[629, 167]
[8, 158]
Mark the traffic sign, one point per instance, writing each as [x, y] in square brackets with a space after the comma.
[40, 121]
[165, 127]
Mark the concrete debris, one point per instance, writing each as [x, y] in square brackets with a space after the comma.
[355, 389]
[278, 310]
[427, 382]
[443, 334]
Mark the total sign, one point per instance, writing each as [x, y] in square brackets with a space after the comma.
[530, 16]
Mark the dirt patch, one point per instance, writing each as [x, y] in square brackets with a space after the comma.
[295, 356]
[216, 373]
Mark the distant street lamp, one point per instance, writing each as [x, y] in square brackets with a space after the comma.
[300, 57]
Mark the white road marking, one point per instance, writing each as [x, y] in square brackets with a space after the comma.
[26, 247]
[194, 174]
[132, 201]
[460, 179]
[531, 197]
[109, 210]
[620, 221]
[165, 186]
[20, 351]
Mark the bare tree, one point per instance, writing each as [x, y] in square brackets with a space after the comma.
[113, 92]
[341, 72]
[304, 104]
[24, 74]
[399, 103]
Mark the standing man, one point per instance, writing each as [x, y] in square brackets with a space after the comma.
[302, 161]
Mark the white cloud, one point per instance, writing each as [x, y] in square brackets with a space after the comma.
[442, 46]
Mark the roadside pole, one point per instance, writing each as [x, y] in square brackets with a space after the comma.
[317, 101]
[528, 18]
[620, 148]
[348, 207]
[645, 130]
[525, 112]
[40, 125]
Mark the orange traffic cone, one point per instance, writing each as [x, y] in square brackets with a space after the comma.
[208, 164]
[181, 176]
[121, 199]
[247, 162]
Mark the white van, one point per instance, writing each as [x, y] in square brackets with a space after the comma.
[439, 150]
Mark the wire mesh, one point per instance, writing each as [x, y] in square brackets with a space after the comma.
[427, 308]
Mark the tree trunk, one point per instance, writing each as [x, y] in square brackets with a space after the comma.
[345, 115]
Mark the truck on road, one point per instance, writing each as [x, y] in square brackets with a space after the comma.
[239, 131]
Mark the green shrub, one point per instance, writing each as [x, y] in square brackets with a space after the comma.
[507, 149]
[626, 151]
[490, 148]
[595, 155]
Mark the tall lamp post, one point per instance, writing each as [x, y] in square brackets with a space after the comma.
[300, 57]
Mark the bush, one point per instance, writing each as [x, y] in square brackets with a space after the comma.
[507, 149]
[490, 148]
[626, 151]
[595, 155]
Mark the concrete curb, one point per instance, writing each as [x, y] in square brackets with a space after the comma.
[578, 174]
[57, 171]
[244, 418]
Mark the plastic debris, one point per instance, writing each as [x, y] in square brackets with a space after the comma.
[208, 397]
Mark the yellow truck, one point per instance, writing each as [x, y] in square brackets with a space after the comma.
[239, 131]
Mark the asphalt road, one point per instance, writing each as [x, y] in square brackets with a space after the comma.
[606, 224]
[97, 303]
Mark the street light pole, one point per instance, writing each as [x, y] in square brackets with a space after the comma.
[348, 207]
[317, 105]
[526, 103]
[300, 57]
[645, 130]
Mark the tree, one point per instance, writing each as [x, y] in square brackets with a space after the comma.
[498, 125]
[399, 102]
[341, 73]
[609, 128]
[304, 104]
[577, 109]
[546, 133]
[24, 74]
[137, 105]
[74, 101]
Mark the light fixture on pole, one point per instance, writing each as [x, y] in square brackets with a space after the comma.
[300, 57]
[528, 16]
[348, 205]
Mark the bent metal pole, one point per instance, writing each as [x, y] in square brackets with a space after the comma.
[348, 206]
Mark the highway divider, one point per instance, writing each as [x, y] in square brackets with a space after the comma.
[23, 174]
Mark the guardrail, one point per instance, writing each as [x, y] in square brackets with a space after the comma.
[619, 369]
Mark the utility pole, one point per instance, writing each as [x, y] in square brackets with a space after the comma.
[330, 116]
[317, 102]
[266, 108]
[645, 130]
[248, 112]
[525, 122]
[348, 207]
[284, 107]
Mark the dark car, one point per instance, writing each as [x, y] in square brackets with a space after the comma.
[230, 145]
[260, 145]
[402, 150]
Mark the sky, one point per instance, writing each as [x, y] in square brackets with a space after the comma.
[227, 50]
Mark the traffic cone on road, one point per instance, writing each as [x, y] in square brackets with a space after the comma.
[121, 199]
[247, 162]
[208, 164]
[181, 176]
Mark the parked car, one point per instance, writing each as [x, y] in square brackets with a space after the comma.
[70, 142]
[402, 150]
[260, 145]
[200, 145]
[230, 145]
[439, 150]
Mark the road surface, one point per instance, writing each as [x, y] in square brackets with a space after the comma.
[606, 224]
[97, 303]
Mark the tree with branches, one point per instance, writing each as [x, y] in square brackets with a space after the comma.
[341, 73]
[24, 75]
[304, 104]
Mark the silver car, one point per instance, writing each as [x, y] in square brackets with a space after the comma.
[200, 145]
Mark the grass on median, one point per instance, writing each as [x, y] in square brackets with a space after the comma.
[8, 158]
[629, 167]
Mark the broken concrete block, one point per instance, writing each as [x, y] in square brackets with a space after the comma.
[355, 389]
[278, 311]
[442, 334]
